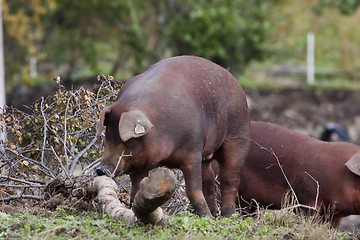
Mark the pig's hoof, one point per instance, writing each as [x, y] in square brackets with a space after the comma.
[227, 211]
[202, 210]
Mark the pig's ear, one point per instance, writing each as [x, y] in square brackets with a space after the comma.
[100, 125]
[353, 164]
[133, 124]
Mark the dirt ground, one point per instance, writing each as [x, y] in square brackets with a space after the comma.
[307, 111]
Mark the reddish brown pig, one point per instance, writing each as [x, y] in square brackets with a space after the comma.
[180, 113]
[335, 166]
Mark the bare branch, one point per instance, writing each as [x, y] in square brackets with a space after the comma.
[45, 129]
[89, 168]
[19, 180]
[62, 141]
[65, 130]
[21, 197]
[117, 165]
[48, 171]
[300, 206]
[59, 160]
[21, 186]
[81, 154]
[317, 188]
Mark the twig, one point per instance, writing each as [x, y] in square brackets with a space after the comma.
[45, 128]
[62, 141]
[96, 162]
[300, 206]
[35, 197]
[287, 180]
[280, 166]
[80, 154]
[48, 173]
[256, 203]
[117, 165]
[21, 186]
[89, 168]
[18, 180]
[317, 188]
[65, 129]
[102, 85]
[59, 160]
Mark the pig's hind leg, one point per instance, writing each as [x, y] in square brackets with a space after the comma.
[231, 157]
[192, 170]
[209, 190]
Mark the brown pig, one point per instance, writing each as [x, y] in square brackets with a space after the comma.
[180, 113]
[323, 173]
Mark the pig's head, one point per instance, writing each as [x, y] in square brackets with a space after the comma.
[124, 133]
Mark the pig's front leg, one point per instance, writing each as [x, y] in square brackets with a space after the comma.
[135, 183]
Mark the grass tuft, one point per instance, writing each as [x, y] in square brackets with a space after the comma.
[185, 225]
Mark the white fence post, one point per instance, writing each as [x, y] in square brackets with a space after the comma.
[310, 58]
[2, 72]
[33, 71]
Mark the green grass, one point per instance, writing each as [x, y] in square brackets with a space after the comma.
[92, 225]
[334, 84]
[256, 76]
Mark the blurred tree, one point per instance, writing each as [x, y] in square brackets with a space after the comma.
[230, 33]
[346, 7]
[22, 34]
[79, 37]
[74, 35]
[84, 33]
[227, 32]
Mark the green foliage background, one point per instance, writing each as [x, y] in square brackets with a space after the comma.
[78, 39]
[230, 33]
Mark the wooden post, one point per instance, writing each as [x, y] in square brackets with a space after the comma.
[310, 58]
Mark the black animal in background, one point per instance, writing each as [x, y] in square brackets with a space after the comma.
[331, 128]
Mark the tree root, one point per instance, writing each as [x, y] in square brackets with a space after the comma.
[154, 191]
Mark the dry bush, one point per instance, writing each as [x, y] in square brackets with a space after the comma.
[56, 140]
[50, 153]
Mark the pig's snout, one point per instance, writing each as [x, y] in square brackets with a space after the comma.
[103, 170]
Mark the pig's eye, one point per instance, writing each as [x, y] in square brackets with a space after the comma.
[129, 143]
[132, 143]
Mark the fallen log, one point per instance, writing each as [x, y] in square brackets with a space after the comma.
[154, 191]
